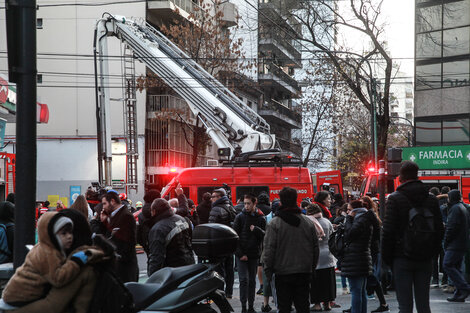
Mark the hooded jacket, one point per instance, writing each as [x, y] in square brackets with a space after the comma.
[169, 239]
[203, 210]
[249, 242]
[220, 212]
[45, 266]
[290, 244]
[409, 194]
[458, 223]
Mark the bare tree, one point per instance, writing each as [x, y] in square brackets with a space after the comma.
[321, 21]
[206, 39]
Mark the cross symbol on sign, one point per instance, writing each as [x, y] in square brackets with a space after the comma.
[413, 158]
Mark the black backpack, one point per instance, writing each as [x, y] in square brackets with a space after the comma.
[336, 242]
[110, 295]
[420, 236]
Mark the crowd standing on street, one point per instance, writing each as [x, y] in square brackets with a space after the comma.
[294, 252]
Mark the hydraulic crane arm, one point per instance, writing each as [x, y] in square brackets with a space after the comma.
[229, 121]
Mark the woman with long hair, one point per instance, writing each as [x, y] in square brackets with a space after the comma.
[323, 200]
[81, 205]
[323, 283]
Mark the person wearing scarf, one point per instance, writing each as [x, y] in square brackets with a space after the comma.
[323, 199]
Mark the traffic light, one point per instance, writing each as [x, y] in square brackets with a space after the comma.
[394, 161]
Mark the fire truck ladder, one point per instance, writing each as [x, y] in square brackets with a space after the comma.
[229, 121]
[130, 116]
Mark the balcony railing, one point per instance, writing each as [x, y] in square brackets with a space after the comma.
[186, 5]
[168, 107]
[280, 108]
[292, 46]
[271, 68]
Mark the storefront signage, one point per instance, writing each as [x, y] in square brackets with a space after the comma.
[439, 157]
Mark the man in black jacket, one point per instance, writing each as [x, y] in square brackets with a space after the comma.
[116, 222]
[222, 212]
[249, 225]
[145, 221]
[169, 238]
[455, 245]
[410, 271]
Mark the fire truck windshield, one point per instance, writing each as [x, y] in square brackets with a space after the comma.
[166, 189]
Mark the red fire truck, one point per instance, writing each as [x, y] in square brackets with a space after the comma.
[439, 166]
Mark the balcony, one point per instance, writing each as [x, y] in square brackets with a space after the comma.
[283, 46]
[291, 146]
[230, 11]
[278, 113]
[165, 11]
[271, 75]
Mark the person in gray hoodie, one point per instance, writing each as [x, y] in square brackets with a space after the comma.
[455, 244]
[290, 237]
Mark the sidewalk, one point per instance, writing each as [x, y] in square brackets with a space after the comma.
[438, 301]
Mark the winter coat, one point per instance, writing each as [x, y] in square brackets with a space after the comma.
[263, 203]
[239, 207]
[203, 210]
[220, 212]
[144, 226]
[375, 240]
[325, 259]
[357, 260]
[290, 244]
[458, 223]
[169, 242]
[45, 266]
[409, 194]
[249, 242]
[7, 218]
[81, 229]
[124, 239]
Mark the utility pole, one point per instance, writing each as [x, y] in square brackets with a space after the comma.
[21, 42]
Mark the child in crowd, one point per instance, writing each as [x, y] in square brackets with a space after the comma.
[48, 280]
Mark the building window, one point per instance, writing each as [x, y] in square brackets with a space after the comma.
[445, 130]
[39, 23]
[428, 133]
[455, 132]
[442, 44]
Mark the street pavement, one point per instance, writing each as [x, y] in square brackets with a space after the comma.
[438, 301]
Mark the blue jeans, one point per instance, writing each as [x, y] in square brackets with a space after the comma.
[247, 278]
[452, 265]
[357, 286]
[412, 278]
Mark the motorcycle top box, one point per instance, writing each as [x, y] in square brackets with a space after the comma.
[214, 240]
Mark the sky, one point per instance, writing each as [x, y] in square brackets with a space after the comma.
[397, 16]
[400, 32]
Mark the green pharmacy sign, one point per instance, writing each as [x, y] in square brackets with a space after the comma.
[439, 157]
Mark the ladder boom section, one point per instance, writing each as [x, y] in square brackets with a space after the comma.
[228, 120]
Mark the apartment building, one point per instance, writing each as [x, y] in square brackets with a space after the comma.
[442, 72]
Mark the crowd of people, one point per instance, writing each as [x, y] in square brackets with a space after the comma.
[287, 248]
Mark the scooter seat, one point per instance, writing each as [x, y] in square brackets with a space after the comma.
[160, 283]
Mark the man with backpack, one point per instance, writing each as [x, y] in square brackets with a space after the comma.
[223, 212]
[455, 245]
[412, 235]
